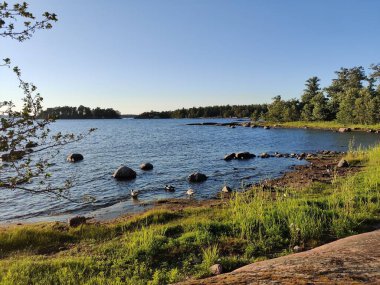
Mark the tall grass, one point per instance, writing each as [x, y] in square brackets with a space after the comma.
[324, 125]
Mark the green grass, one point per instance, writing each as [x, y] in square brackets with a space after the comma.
[323, 125]
[163, 246]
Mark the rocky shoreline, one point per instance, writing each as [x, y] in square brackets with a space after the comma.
[249, 124]
[322, 168]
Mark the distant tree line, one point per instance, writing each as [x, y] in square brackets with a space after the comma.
[80, 112]
[352, 97]
[228, 111]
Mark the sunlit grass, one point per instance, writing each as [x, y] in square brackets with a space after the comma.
[163, 246]
[323, 125]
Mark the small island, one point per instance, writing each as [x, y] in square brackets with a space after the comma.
[80, 112]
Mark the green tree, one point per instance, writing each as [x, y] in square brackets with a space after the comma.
[320, 109]
[366, 107]
[312, 89]
[348, 79]
[346, 113]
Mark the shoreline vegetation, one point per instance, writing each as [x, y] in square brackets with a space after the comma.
[169, 244]
[317, 125]
[353, 97]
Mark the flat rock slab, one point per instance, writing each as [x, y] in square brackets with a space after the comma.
[352, 260]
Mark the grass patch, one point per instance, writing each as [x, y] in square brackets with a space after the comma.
[164, 246]
[323, 125]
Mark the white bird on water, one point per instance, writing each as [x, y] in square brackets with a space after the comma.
[190, 192]
[134, 194]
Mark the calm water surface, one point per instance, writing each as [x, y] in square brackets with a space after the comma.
[175, 150]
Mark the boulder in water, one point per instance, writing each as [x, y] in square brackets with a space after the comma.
[197, 177]
[244, 155]
[146, 166]
[124, 173]
[229, 156]
[74, 157]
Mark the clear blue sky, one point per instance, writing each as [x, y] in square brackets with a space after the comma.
[140, 55]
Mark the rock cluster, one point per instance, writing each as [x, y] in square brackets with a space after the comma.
[239, 155]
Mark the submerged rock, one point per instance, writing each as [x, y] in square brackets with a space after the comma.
[124, 173]
[74, 157]
[146, 166]
[197, 177]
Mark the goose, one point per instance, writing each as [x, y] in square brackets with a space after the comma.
[169, 188]
[190, 192]
[134, 194]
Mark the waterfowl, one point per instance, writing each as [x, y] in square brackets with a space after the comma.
[169, 188]
[190, 192]
[134, 194]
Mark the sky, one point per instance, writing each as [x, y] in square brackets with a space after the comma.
[141, 55]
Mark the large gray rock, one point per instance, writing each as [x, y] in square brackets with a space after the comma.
[74, 157]
[124, 173]
[343, 163]
[146, 166]
[197, 177]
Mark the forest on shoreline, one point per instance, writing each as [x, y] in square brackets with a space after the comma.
[352, 97]
[80, 112]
